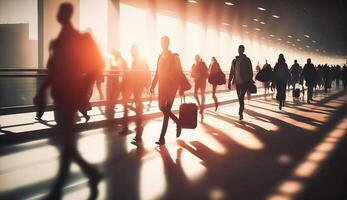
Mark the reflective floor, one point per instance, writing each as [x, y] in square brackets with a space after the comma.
[272, 154]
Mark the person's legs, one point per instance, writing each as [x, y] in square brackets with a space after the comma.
[98, 87]
[139, 112]
[202, 91]
[309, 90]
[284, 94]
[65, 121]
[163, 108]
[279, 94]
[126, 93]
[111, 96]
[241, 91]
[214, 88]
[196, 90]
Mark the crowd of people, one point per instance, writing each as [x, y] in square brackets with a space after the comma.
[75, 65]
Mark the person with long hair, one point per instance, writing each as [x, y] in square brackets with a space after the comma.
[281, 78]
[214, 71]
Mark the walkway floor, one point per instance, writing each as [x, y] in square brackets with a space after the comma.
[296, 153]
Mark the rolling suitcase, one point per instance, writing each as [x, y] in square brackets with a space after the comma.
[188, 115]
[296, 92]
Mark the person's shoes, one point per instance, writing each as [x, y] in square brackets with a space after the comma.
[280, 107]
[137, 141]
[178, 130]
[241, 117]
[216, 106]
[87, 118]
[160, 142]
[94, 180]
[308, 101]
[55, 194]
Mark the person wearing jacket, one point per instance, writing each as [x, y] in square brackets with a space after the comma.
[344, 77]
[309, 73]
[170, 76]
[281, 78]
[241, 75]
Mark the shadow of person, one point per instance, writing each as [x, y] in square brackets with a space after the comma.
[177, 183]
[122, 167]
[66, 141]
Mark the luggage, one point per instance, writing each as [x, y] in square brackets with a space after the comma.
[188, 115]
[264, 75]
[252, 88]
[221, 78]
[296, 93]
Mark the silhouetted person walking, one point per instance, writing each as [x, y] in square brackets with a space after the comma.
[199, 73]
[73, 68]
[295, 72]
[344, 77]
[326, 78]
[268, 69]
[118, 69]
[214, 79]
[241, 74]
[309, 73]
[138, 74]
[170, 75]
[281, 78]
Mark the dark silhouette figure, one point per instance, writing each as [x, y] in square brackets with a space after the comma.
[199, 72]
[337, 75]
[268, 69]
[170, 76]
[309, 73]
[123, 90]
[241, 74]
[73, 67]
[326, 78]
[214, 78]
[344, 77]
[139, 74]
[295, 72]
[281, 78]
[118, 68]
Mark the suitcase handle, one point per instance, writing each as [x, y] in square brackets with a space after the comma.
[184, 99]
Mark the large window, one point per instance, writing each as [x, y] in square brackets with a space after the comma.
[134, 29]
[193, 43]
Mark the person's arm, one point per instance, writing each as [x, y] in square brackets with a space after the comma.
[250, 69]
[231, 74]
[178, 65]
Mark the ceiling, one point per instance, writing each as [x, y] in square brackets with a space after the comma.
[324, 22]
[318, 26]
[312, 25]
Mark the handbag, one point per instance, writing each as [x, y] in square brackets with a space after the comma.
[252, 88]
[221, 80]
